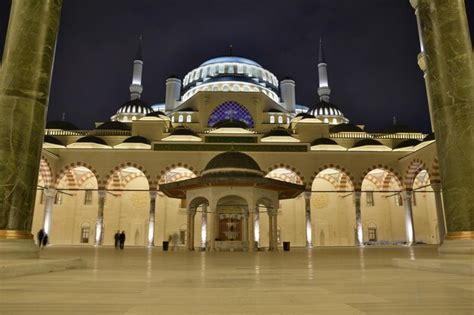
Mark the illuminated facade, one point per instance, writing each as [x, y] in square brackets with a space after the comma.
[231, 162]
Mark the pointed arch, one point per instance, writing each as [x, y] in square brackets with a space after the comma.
[162, 176]
[393, 175]
[345, 181]
[71, 180]
[45, 172]
[231, 110]
[297, 178]
[115, 179]
[415, 167]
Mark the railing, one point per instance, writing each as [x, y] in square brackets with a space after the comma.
[363, 135]
[59, 132]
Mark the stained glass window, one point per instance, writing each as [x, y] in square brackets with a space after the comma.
[230, 110]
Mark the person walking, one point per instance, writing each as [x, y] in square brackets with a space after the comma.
[122, 239]
[117, 239]
[45, 240]
[40, 236]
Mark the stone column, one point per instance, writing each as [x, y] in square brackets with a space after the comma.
[211, 219]
[25, 78]
[358, 217]
[50, 194]
[245, 231]
[409, 225]
[309, 233]
[99, 224]
[151, 219]
[450, 76]
[190, 226]
[256, 226]
[251, 228]
[439, 210]
[204, 228]
[272, 229]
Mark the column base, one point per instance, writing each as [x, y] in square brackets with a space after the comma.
[18, 249]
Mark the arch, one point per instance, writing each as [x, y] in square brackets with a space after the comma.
[198, 201]
[346, 180]
[299, 178]
[265, 202]
[435, 172]
[68, 168]
[285, 174]
[161, 179]
[230, 110]
[415, 166]
[115, 180]
[45, 172]
[385, 168]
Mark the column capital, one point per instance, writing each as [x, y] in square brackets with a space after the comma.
[307, 194]
[102, 193]
[153, 194]
[357, 194]
[50, 192]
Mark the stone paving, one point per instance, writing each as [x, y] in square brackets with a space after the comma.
[318, 281]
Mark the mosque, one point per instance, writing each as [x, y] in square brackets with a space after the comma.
[231, 162]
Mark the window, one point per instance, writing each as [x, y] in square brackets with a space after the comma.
[182, 237]
[280, 119]
[272, 119]
[88, 197]
[287, 120]
[398, 200]
[85, 233]
[58, 199]
[372, 234]
[188, 118]
[369, 196]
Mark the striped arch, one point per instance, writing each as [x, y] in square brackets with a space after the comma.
[300, 178]
[374, 180]
[346, 180]
[115, 181]
[83, 179]
[415, 167]
[161, 177]
[435, 176]
[45, 172]
[421, 181]
[131, 177]
[391, 171]
[71, 180]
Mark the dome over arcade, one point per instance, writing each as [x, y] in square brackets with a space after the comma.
[231, 74]
[232, 164]
[114, 125]
[61, 124]
[328, 113]
[131, 110]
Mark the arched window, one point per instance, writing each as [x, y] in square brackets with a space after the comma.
[272, 119]
[225, 88]
[85, 232]
[334, 121]
[134, 117]
[235, 88]
[280, 119]
[230, 110]
[180, 118]
[188, 118]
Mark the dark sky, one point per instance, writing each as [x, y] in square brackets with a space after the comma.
[370, 45]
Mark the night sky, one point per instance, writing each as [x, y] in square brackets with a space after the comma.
[370, 46]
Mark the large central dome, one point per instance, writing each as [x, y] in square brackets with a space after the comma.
[230, 74]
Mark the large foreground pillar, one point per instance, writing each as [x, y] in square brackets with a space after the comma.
[25, 78]
[450, 78]
[439, 210]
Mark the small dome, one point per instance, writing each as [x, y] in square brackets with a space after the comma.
[407, 143]
[345, 128]
[230, 124]
[59, 124]
[398, 129]
[233, 164]
[136, 106]
[323, 108]
[365, 142]
[305, 115]
[52, 140]
[92, 139]
[430, 137]
[323, 141]
[137, 139]
[155, 114]
[114, 125]
[183, 131]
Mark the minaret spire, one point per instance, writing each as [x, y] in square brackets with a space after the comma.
[136, 87]
[323, 91]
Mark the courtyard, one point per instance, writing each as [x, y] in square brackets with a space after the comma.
[318, 281]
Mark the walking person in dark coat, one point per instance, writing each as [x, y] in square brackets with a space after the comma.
[45, 240]
[122, 239]
[40, 236]
[117, 239]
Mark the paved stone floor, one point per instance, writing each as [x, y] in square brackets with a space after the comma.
[319, 281]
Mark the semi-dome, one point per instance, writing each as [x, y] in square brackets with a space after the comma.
[91, 139]
[366, 142]
[231, 74]
[60, 124]
[232, 164]
[114, 125]
[137, 139]
[89, 142]
[323, 141]
[328, 113]
[131, 110]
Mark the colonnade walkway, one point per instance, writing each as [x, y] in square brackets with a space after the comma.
[318, 281]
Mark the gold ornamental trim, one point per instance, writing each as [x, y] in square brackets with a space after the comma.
[461, 235]
[15, 235]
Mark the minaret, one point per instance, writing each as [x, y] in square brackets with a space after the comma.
[324, 91]
[136, 87]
